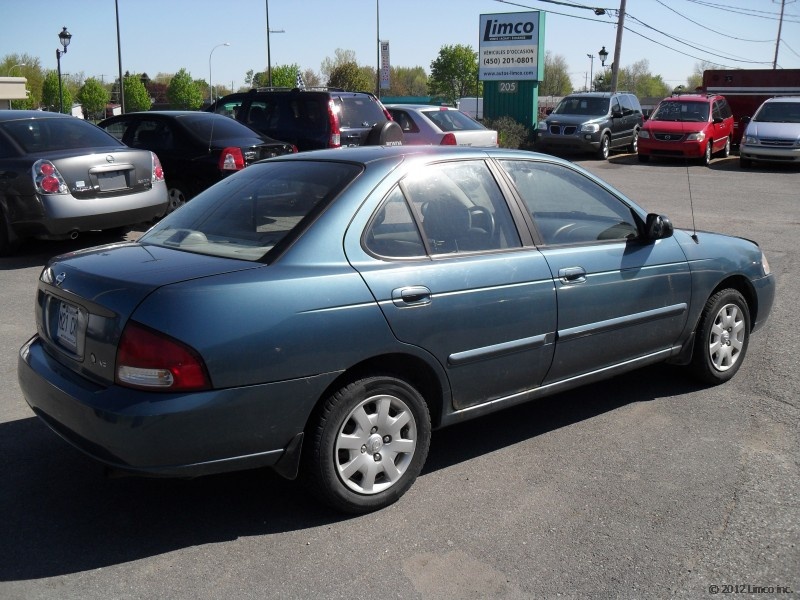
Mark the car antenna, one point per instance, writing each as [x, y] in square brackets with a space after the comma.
[691, 204]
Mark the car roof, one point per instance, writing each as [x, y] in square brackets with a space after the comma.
[420, 106]
[792, 99]
[692, 97]
[18, 115]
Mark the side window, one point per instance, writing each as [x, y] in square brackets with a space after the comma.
[152, 135]
[725, 109]
[229, 109]
[627, 107]
[568, 207]
[715, 112]
[615, 109]
[393, 231]
[461, 208]
[118, 129]
[403, 119]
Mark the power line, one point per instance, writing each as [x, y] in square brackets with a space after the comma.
[745, 11]
[727, 35]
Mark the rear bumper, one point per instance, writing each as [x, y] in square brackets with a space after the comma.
[58, 216]
[167, 434]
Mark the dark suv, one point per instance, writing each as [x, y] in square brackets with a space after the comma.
[313, 118]
[592, 122]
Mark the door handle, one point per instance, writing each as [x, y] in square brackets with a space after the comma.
[572, 275]
[415, 295]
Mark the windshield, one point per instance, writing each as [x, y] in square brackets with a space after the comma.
[45, 135]
[696, 112]
[595, 107]
[246, 215]
[778, 112]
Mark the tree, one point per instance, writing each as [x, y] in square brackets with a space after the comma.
[311, 79]
[407, 81]
[50, 94]
[12, 65]
[637, 78]
[94, 97]
[695, 80]
[285, 75]
[341, 57]
[183, 93]
[556, 80]
[136, 96]
[349, 76]
[454, 74]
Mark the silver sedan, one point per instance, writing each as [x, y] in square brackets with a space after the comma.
[440, 126]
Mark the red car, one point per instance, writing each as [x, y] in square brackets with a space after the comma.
[693, 126]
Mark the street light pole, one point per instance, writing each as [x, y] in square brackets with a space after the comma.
[14, 67]
[210, 85]
[64, 37]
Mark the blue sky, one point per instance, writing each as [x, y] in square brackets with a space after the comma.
[167, 35]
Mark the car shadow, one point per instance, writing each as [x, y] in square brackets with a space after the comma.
[62, 515]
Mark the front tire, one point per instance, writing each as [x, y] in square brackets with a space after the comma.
[634, 147]
[605, 147]
[368, 444]
[722, 337]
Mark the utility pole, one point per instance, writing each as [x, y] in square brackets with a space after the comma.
[618, 47]
[778, 41]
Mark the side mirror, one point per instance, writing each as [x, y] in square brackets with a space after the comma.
[658, 227]
[745, 119]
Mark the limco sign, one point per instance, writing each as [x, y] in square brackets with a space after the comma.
[510, 44]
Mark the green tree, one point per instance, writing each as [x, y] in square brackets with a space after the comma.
[94, 97]
[556, 80]
[350, 76]
[183, 93]
[50, 93]
[407, 81]
[136, 96]
[454, 74]
[341, 57]
[637, 78]
[29, 67]
[285, 75]
[311, 79]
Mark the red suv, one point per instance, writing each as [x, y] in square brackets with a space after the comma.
[688, 126]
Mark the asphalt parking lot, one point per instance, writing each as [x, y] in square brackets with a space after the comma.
[645, 486]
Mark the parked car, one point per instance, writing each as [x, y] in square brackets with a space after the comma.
[313, 118]
[595, 122]
[60, 176]
[321, 314]
[693, 126]
[197, 149]
[773, 134]
[440, 125]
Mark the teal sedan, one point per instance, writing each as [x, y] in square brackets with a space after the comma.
[322, 313]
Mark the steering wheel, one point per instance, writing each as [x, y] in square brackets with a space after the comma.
[483, 218]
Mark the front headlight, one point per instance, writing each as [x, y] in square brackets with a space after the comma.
[590, 128]
[750, 139]
[644, 134]
[542, 126]
[698, 136]
[765, 264]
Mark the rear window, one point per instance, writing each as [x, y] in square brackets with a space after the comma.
[358, 111]
[204, 125]
[248, 214]
[44, 135]
[452, 120]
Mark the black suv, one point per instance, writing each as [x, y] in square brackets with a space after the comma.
[592, 122]
[313, 118]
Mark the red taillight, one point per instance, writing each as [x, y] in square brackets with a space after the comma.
[335, 140]
[449, 139]
[50, 184]
[149, 360]
[47, 179]
[158, 170]
[231, 159]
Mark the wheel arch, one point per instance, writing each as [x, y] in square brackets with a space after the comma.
[741, 284]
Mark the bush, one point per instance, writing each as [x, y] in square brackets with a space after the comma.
[511, 133]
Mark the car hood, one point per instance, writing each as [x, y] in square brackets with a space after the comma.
[674, 126]
[573, 119]
[786, 131]
[120, 276]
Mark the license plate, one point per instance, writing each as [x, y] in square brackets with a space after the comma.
[67, 332]
[112, 180]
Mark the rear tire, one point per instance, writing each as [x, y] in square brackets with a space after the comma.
[634, 147]
[706, 158]
[726, 152]
[722, 338]
[368, 445]
[178, 195]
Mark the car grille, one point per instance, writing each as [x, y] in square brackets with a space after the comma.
[669, 137]
[777, 143]
[563, 129]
